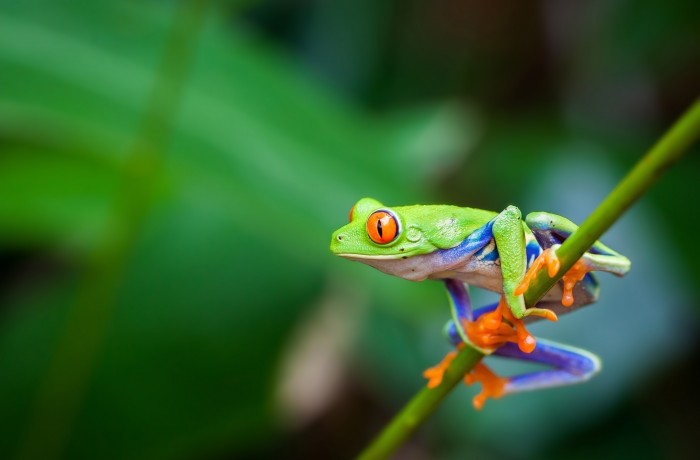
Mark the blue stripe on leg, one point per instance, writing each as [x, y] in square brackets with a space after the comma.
[452, 333]
[572, 365]
[459, 299]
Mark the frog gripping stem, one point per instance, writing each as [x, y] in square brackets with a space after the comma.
[489, 331]
[570, 365]
[573, 276]
[549, 258]
[435, 373]
[492, 386]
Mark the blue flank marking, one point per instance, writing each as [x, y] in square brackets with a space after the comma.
[590, 281]
[477, 240]
[490, 257]
[532, 251]
[548, 238]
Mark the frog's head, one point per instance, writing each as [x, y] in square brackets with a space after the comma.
[385, 237]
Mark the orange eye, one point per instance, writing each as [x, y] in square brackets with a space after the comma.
[352, 211]
[382, 227]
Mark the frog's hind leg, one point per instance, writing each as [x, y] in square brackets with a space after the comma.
[552, 230]
[570, 366]
[463, 316]
[462, 312]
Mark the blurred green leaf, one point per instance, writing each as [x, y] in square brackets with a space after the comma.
[262, 165]
[48, 194]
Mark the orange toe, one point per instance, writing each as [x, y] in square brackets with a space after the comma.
[435, 373]
[547, 257]
[552, 262]
[490, 332]
[526, 342]
[530, 275]
[573, 276]
[492, 320]
[492, 386]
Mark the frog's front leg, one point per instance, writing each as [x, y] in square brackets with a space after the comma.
[462, 313]
[509, 234]
[484, 329]
[482, 335]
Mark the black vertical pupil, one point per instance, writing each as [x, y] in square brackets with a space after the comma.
[379, 228]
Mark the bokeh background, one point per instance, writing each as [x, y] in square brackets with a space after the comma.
[171, 172]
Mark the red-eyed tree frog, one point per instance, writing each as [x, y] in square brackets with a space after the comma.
[495, 251]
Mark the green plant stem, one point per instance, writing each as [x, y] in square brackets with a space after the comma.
[420, 407]
[665, 152]
[672, 145]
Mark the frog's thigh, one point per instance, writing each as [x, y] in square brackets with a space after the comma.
[545, 222]
[552, 229]
[571, 365]
[617, 265]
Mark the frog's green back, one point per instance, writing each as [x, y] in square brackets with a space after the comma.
[443, 225]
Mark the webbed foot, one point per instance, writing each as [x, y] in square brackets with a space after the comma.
[492, 386]
[435, 374]
[549, 258]
[489, 330]
[573, 276]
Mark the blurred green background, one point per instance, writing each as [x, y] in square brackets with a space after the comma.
[171, 172]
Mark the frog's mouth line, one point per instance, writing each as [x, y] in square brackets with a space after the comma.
[399, 256]
[368, 257]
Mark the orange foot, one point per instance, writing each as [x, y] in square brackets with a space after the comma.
[492, 386]
[489, 331]
[573, 276]
[435, 373]
[547, 257]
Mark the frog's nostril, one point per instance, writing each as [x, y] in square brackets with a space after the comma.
[340, 237]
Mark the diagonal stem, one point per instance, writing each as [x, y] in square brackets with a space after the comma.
[665, 152]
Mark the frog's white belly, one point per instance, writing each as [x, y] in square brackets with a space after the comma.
[485, 274]
[479, 273]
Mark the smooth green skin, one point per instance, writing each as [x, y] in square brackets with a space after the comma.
[427, 228]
